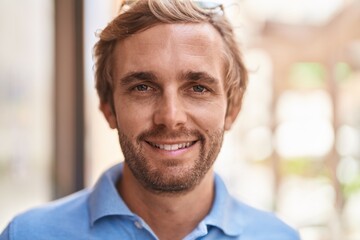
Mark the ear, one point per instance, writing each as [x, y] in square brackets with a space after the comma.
[231, 116]
[108, 114]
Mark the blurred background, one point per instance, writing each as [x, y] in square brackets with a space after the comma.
[294, 150]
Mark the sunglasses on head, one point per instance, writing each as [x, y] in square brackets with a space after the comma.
[211, 7]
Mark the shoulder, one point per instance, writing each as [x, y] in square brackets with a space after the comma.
[258, 224]
[56, 218]
[240, 219]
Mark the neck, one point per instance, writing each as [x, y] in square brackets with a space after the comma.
[170, 216]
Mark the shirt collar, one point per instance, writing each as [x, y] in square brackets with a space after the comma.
[105, 200]
[224, 212]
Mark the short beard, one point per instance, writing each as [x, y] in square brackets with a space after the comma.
[161, 182]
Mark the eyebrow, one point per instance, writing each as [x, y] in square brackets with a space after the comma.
[132, 76]
[199, 76]
[150, 76]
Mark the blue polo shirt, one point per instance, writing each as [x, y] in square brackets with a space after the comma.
[100, 213]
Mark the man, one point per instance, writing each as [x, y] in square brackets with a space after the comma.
[170, 80]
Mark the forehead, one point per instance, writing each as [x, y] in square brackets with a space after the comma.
[191, 43]
[197, 34]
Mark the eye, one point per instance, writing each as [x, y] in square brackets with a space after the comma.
[199, 89]
[142, 88]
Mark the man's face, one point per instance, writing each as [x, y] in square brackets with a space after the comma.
[170, 104]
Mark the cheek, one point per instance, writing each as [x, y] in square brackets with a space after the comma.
[210, 117]
[132, 119]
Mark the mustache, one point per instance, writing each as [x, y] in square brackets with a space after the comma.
[164, 133]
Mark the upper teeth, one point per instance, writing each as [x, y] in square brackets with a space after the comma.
[171, 147]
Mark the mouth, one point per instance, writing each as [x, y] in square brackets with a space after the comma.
[172, 147]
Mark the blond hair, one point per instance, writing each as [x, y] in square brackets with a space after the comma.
[145, 14]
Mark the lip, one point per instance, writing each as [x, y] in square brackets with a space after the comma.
[170, 146]
[175, 148]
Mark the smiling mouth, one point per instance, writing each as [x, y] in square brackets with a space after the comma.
[172, 147]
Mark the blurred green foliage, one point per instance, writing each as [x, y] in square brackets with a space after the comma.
[307, 75]
[304, 166]
[351, 187]
[342, 72]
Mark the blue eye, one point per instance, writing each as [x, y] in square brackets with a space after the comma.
[199, 88]
[142, 88]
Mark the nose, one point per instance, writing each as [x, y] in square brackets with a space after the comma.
[170, 111]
